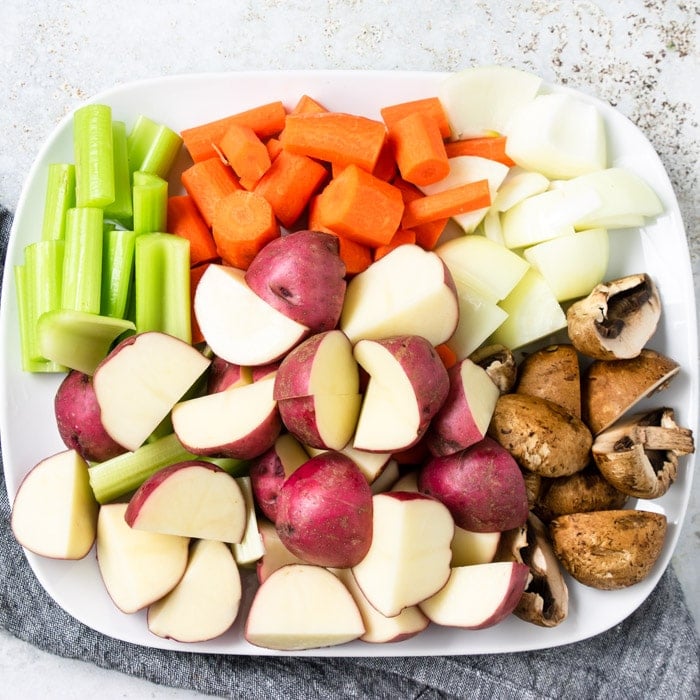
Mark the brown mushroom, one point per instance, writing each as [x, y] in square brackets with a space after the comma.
[608, 549]
[545, 601]
[611, 387]
[616, 319]
[639, 455]
[499, 363]
[511, 544]
[552, 373]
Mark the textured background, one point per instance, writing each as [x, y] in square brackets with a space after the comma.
[641, 56]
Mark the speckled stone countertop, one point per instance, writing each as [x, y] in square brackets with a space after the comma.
[641, 56]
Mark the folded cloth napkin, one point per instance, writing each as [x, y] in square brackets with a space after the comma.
[651, 654]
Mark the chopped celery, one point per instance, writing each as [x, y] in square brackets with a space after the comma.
[120, 475]
[152, 147]
[150, 194]
[26, 327]
[120, 209]
[117, 271]
[59, 198]
[162, 284]
[251, 547]
[82, 263]
[94, 156]
[235, 467]
[77, 339]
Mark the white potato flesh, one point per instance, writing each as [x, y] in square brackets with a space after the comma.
[370, 464]
[250, 549]
[336, 418]
[473, 547]
[334, 370]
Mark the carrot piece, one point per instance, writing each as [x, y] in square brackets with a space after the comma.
[428, 105]
[307, 105]
[491, 147]
[185, 220]
[361, 207]
[245, 152]
[427, 234]
[385, 167]
[196, 275]
[289, 184]
[265, 120]
[274, 146]
[447, 355]
[457, 200]
[243, 224]
[401, 237]
[335, 137]
[419, 149]
[208, 181]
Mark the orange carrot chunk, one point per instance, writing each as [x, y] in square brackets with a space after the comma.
[196, 273]
[457, 200]
[243, 224]
[289, 184]
[430, 106]
[245, 152]
[419, 149]
[307, 105]
[335, 137]
[447, 355]
[207, 182]
[491, 147]
[359, 206]
[266, 120]
[401, 237]
[427, 234]
[185, 220]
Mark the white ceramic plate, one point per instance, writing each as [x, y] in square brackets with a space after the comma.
[26, 411]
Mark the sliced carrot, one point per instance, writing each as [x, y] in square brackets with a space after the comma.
[401, 237]
[457, 200]
[335, 137]
[427, 234]
[245, 152]
[207, 182]
[491, 147]
[307, 105]
[385, 167]
[185, 220]
[447, 355]
[361, 207]
[243, 224]
[265, 120]
[274, 146]
[289, 184]
[428, 105]
[196, 275]
[419, 149]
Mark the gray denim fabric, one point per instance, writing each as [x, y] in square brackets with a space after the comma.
[654, 653]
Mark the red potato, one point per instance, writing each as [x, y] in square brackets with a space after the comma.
[223, 374]
[276, 554]
[466, 413]
[482, 487]
[79, 422]
[324, 512]
[301, 275]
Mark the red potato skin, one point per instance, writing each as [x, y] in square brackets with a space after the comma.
[78, 419]
[261, 371]
[266, 479]
[324, 512]
[519, 579]
[482, 487]
[301, 275]
[299, 417]
[223, 374]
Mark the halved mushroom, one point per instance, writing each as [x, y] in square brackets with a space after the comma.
[616, 319]
[639, 455]
[545, 601]
[499, 363]
[611, 387]
[511, 545]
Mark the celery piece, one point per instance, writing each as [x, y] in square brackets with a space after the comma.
[44, 269]
[152, 147]
[150, 194]
[231, 465]
[117, 271]
[120, 475]
[59, 198]
[120, 209]
[27, 327]
[162, 284]
[82, 263]
[77, 339]
[251, 547]
[94, 156]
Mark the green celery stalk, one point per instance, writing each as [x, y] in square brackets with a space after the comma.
[94, 156]
[121, 208]
[162, 284]
[152, 147]
[82, 264]
[59, 198]
[117, 271]
[150, 195]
